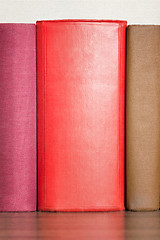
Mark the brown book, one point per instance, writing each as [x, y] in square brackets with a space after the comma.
[143, 117]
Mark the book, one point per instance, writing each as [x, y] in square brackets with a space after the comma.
[18, 117]
[81, 89]
[143, 112]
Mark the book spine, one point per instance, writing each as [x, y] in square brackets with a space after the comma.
[18, 117]
[143, 111]
[81, 86]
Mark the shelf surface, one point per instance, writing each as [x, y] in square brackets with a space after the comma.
[105, 225]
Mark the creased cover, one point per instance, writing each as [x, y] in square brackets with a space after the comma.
[143, 117]
[81, 81]
[17, 117]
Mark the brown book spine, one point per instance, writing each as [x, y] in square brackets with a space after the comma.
[143, 118]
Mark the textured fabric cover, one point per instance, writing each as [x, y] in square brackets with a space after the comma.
[17, 117]
[81, 81]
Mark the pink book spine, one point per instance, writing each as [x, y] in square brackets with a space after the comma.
[17, 117]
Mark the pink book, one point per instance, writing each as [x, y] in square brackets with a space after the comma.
[17, 117]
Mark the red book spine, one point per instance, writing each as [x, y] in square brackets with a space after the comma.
[81, 85]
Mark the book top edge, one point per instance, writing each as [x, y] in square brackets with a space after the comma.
[76, 21]
[17, 24]
[143, 25]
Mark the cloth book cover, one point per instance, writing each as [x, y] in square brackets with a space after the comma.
[17, 117]
[81, 86]
[143, 117]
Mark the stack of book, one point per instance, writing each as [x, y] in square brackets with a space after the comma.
[92, 117]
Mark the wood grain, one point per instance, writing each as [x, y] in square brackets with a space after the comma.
[80, 226]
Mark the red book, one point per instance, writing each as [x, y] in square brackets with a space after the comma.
[81, 85]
